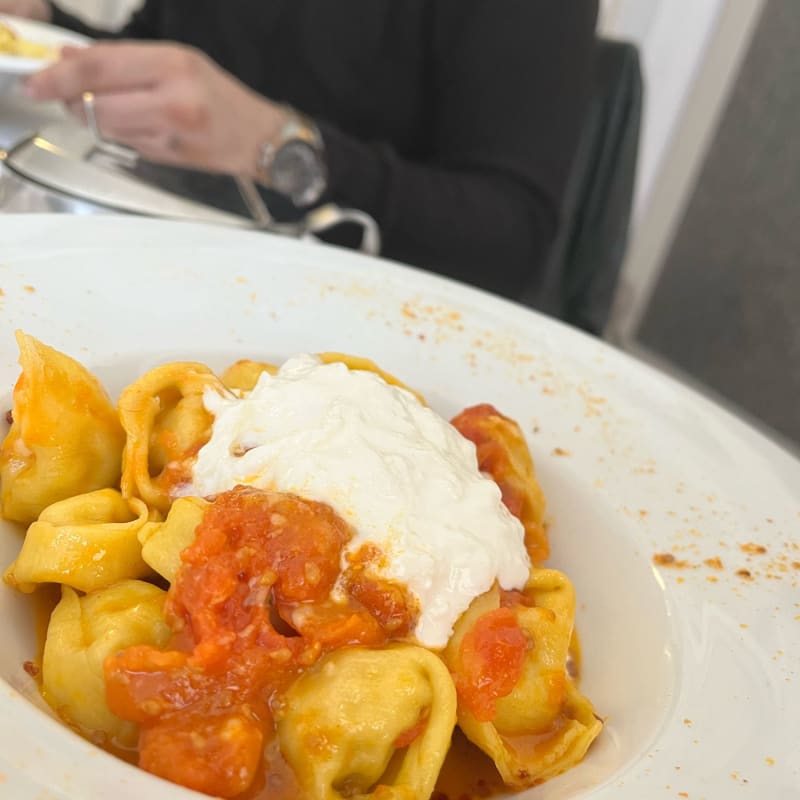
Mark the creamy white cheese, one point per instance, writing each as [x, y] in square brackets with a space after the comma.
[402, 477]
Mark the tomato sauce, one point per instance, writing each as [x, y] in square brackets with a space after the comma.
[491, 658]
[251, 607]
[467, 773]
[494, 435]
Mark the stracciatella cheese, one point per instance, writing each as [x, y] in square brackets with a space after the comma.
[402, 477]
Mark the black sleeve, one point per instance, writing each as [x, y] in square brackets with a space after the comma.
[511, 82]
[141, 25]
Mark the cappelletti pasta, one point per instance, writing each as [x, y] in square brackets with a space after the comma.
[165, 424]
[83, 632]
[88, 542]
[394, 703]
[161, 543]
[238, 611]
[65, 437]
[539, 703]
[503, 453]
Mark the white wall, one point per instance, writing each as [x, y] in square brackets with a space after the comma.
[691, 52]
[103, 13]
[673, 38]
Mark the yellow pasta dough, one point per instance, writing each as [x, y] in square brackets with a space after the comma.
[243, 375]
[100, 489]
[83, 631]
[166, 424]
[366, 365]
[163, 542]
[88, 542]
[65, 439]
[503, 454]
[544, 725]
[369, 724]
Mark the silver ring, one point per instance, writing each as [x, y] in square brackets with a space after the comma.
[91, 118]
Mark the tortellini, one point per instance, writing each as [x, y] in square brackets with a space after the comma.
[65, 438]
[163, 542]
[166, 424]
[503, 453]
[366, 365]
[243, 375]
[356, 708]
[543, 725]
[88, 542]
[369, 723]
[83, 631]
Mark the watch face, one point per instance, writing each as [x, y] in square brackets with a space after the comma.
[298, 172]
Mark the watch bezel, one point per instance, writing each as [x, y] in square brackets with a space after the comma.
[297, 135]
[298, 172]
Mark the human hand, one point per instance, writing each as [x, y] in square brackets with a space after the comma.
[31, 9]
[169, 102]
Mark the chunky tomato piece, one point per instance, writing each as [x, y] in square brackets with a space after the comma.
[253, 548]
[250, 608]
[334, 624]
[143, 683]
[387, 602]
[491, 658]
[217, 754]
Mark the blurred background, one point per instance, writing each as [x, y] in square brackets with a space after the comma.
[682, 234]
[710, 285]
[708, 280]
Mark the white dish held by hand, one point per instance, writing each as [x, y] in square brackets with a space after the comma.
[38, 34]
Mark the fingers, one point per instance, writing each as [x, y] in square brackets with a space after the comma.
[70, 50]
[146, 96]
[162, 148]
[140, 120]
[110, 67]
[168, 102]
[136, 119]
[163, 124]
[124, 114]
[30, 9]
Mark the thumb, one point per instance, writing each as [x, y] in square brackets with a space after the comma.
[70, 51]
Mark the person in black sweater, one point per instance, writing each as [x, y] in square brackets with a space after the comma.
[451, 122]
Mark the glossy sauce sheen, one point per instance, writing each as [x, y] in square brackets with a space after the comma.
[467, 773]
[250, 609]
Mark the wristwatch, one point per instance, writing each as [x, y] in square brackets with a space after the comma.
[292, 161]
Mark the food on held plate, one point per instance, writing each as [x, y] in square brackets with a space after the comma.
[12, 44]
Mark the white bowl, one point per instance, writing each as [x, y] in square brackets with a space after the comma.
[632, 464]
